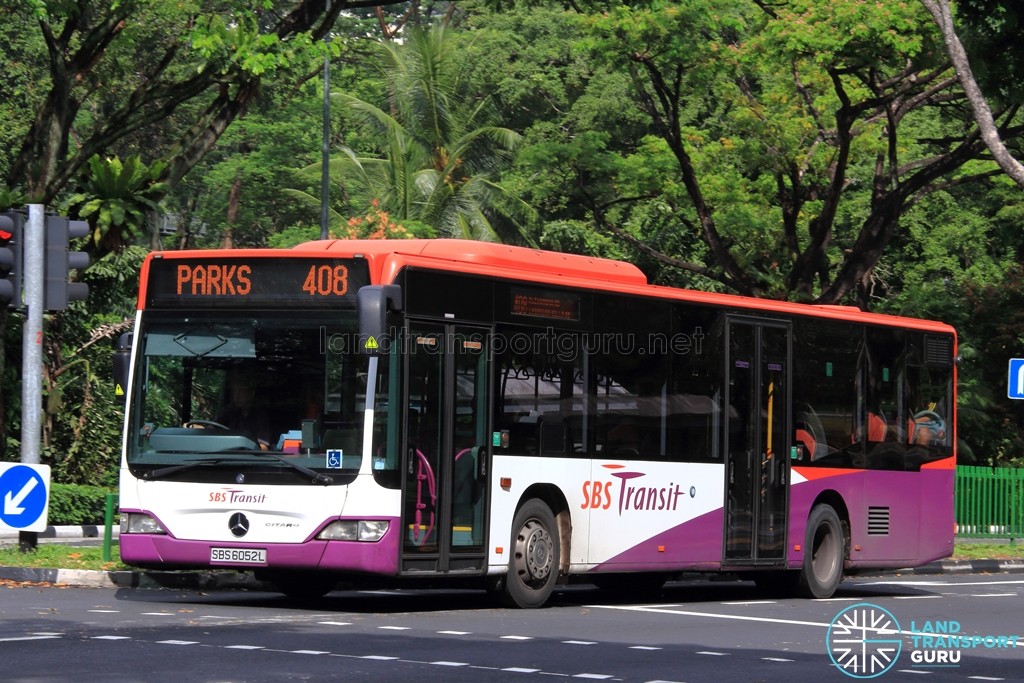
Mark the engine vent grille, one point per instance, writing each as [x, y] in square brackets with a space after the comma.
[878, 521]
[938, 351]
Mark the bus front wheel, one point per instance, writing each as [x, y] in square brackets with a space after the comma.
[533, 567]
[824, 554]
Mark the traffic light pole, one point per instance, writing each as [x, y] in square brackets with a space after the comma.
[32, 348]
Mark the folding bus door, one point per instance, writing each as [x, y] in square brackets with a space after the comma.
[758, 358]
[446, 430]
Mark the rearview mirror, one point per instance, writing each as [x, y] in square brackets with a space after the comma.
[375, 302]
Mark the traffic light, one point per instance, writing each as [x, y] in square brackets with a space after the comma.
[58, 290]
[11, 230]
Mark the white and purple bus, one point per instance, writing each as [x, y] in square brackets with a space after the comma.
[350, 410]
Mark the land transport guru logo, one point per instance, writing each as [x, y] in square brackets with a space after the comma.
[865, 641]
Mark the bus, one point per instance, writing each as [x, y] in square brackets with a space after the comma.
[458, 410]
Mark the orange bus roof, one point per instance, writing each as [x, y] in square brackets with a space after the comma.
[388, 257]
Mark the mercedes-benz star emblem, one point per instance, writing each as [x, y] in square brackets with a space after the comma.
[239, 524]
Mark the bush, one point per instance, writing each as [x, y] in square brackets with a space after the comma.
[74, 504]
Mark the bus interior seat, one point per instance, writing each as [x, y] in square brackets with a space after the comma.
[810, 433]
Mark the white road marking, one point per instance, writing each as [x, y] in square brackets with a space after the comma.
[918, 597]
[18, 638]
[688, 613]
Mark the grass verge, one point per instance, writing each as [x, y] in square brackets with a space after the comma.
[58, 556]
[987, 551]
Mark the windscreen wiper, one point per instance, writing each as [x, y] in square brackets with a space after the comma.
[314, 476]
[191, 464]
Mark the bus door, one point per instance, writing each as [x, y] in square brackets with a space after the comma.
[446, 448]
[758, 357]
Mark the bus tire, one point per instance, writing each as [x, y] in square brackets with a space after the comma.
[824, 554]
[533, 567]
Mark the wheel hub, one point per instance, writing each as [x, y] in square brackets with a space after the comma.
[537, 551]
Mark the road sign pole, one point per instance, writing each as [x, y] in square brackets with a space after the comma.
[32, 349]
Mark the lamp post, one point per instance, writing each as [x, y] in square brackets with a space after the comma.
[325, 152]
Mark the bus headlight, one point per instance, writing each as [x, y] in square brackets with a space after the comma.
[354, 530]
[136, 523]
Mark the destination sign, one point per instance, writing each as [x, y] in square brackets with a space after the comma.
[250, 281]
[545, 304]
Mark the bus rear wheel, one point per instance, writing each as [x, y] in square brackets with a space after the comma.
[533, 567]
[824, 554]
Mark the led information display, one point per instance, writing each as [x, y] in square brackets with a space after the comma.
[544, 304]
[250, 281]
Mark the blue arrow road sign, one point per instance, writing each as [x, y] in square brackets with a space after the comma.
[24, 496]
[1015, 379]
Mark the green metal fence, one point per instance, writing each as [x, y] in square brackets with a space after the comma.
[990, 502]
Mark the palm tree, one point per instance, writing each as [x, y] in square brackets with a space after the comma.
[434, 157]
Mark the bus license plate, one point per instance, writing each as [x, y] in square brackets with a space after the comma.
[239, 555]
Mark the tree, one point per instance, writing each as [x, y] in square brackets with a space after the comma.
[130, 76]
[427, 151]
[798, 135]
[940, 11]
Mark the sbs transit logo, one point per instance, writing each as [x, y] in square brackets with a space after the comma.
[864, 640]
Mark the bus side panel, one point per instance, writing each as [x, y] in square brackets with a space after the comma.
[625, 515]
[561, 475]
[693, 545]
[888, 527]
[655, 516]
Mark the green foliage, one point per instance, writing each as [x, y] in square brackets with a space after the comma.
[10, 198]
[991, 31]
[73, 504]
[432, 154]
[535, 125]
[115, 198]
